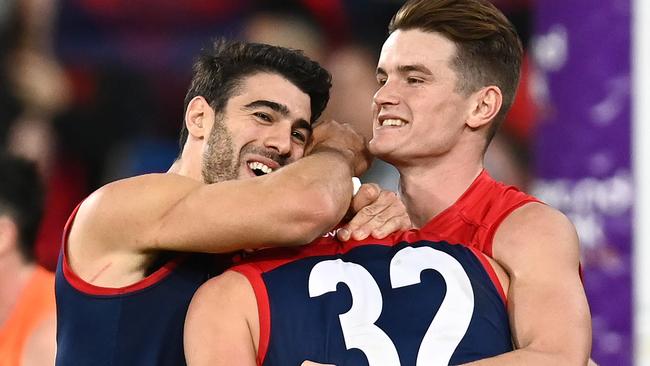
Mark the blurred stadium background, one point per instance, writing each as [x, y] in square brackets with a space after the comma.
[93, 91]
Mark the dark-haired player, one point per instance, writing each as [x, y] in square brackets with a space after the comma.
[123, 288]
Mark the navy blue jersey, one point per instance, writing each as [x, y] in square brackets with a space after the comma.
[141, 324]
[406, 300]
[427, 297]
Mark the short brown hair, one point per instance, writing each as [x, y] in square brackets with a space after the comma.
[489, 51]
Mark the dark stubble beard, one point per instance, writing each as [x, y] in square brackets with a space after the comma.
[219, 163]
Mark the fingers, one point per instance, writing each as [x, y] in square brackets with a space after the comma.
[366, 205]
[343, 234]
[343, 138]
[396, 223]
[366, 195]
[379, 218]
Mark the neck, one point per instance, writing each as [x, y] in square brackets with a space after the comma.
[177, 167]
[187, 165]
[14, 275]
[431, 187]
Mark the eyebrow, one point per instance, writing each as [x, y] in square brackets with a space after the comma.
[408, 68]
[279, 108]
[415, 67]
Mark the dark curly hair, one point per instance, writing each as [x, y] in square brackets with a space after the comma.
[220, 69]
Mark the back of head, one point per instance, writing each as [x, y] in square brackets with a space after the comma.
[489, 51]
[220, 69]
[21, 198]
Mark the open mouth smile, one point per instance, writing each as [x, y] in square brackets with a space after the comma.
[259, 168]
[395, 122]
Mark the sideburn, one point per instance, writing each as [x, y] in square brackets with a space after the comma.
[219, 162]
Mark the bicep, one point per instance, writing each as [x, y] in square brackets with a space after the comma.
[121, 216]
[218, 329]
[242, 214]
[547, 304]
[168, 212]
[172, 212]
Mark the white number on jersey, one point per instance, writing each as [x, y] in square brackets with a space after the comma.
[447, 328]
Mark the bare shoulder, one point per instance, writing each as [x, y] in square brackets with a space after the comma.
[536, 219]
[222, 327]
[231, 283]
[110, 234]
[117, 198]
[114, 214]
[231, 292]
[548, 310]
[533, 230]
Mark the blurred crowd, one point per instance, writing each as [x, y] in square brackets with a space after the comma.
[92, 90]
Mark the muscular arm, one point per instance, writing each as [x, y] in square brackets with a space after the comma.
[548, 309]
[292, 206]
[120, 226]
[222, 327]
[171, 212]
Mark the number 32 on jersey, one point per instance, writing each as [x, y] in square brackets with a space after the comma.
[446, 329]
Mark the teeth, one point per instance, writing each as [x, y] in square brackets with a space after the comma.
[393, 122]
[256, 165]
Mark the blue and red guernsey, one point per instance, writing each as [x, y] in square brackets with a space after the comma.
[422, 297]
[141, 324]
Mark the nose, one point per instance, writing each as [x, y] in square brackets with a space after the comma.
[386, 94]
[279, 139]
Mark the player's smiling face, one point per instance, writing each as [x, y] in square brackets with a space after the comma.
[265, 125]
[417, 112]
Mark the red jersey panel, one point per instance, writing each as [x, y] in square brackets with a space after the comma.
[475, 217]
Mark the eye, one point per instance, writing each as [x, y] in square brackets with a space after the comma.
[412, 80]
[381, 81]
[298, 135]
[263, 116]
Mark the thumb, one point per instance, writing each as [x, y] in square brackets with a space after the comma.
[367, 194]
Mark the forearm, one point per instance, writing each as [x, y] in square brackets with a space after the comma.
[291, 206]
[314, 193]
[529, 357]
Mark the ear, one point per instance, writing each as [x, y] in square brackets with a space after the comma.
[8, 234]
[199, 116]
[486, 105]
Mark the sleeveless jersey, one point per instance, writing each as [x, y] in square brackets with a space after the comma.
[477, 214]
[140, 324]
[423, 297]
[35, 304]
